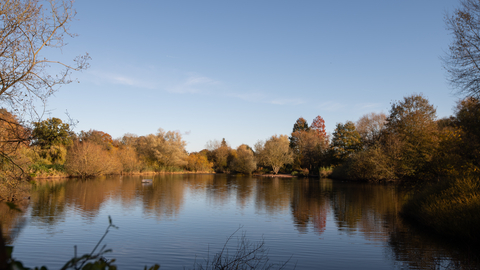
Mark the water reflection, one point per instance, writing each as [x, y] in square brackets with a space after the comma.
[48, 203]
[420, 249]
[310, 204]
[366, 208]
[369, 211]
[272, 195]
[12, 221]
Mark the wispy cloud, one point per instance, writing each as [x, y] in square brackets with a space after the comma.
[261, 97]
[249, 96]
[195, 84]
[113, 78]
[123, 80]
[178, 82]
[331, 106]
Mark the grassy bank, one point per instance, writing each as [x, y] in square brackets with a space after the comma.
[451, 208]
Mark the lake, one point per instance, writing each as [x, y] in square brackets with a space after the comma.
[179, 220]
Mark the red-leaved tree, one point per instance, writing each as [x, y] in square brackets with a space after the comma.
[318, 126]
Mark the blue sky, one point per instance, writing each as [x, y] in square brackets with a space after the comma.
[247, 70]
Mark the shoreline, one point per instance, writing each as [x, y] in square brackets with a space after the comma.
[135, 173]
[275, 175]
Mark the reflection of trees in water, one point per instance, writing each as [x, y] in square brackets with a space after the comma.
[220, 189]
[245, 190]
[12, 221]
[369, 208]
[164, 197]
[420, 250]
[306, 199]
[372, 209]
[273, 195]
[89, 195]
[48, 202]
[198, 182]
[309, 203]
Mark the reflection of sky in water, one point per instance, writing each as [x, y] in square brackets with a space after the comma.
[176, 219]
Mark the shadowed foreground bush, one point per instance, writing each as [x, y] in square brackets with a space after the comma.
[450, 208]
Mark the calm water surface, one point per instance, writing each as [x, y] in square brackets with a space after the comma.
[180, 219]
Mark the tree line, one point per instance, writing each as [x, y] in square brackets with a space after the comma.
[408, 143]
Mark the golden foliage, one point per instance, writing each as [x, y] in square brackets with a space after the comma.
[197, 162]
[129, 159]
[275, 152]
[87, 159]
[244, 160]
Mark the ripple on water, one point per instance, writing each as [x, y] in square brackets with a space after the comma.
[177, 221]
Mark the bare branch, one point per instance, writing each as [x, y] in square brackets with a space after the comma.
[463, 61]
[26, 28]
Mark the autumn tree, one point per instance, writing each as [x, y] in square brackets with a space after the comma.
[164, 150]
[467, 114]
[300, 126]
[275, 152]
[198, 162]
[12, 135]
[172, 150]
[129, 139]
[144, 146]
[12, 164]
[220, 154]
[459, 150]
[98, 137]
[128, 157]
[244, 161]
[308, 144]
[318, 127]
[87, 159]
[410, 134]
[27, 29]
[463, 61]
[27, 75]
[370, 127]
[313, 149]
[316, 146]
[372, 164]
[346, 141]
